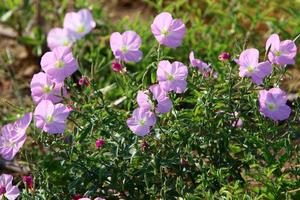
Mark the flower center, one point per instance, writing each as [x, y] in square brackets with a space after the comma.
[165, 32]
[272, 106]
[170, 77]
[277, 53]
[47, 89]
[59, 64]
[124, 49]
[250, 69]
[142, 122]
[49, 119]
[2, 190]
[9, 144]
[66, 43]
[80, 29]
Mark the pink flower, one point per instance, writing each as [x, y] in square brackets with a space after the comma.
[141, 121]
[58, 37]
[84, 81]
[224, 56]
[250, 67]
[281, 53]
[44, 88]
[51, 118]
[13, 137]
[168, 31]
[164, 104]
[172, 77]
[144, 100]
[116, 66]
[59, 63]
[79, 23]
[126, 46]
[7, 190]
[239, 122]
[202, 66]
[29, 181]
[99, 143]
[273, 104]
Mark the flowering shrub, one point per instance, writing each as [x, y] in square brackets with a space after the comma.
[179, 128]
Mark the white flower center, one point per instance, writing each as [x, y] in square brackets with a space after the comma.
[47, 89]
[277, 53]
[142, 122]
[170, 77]
[250, 69]
[49, 119]
[165, 32]
[59, 64]
[272, 106]
[80, 29]
[124, 49]
[66, 43]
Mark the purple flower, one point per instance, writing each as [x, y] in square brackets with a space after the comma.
[7, 190]
[126, 46]
[239, 122]
[172, 77]
[202, 66]
[59, 63]
[58, 37]
[250, 67]
[79, 23]
[99, 143]
[44, 88]
[141, 121]
[164, 104]
[13, 137]
[168, 31]
[224, 56]
[144, 100]
[51, 118]
[273, 104]
[281, 53]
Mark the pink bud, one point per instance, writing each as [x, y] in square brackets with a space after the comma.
[28, 180]
[84, 81]
[76, 197]
[116, 66]
[99, 143]
[224, 56]
[144, 145]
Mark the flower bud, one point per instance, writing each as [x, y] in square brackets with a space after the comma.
[116, 66]
[224, 56]
[28, 180]
[99, 143]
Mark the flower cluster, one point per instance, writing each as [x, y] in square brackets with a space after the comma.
[47, 88]
[280, 54]
[76, 26]
[170, 76]
[47, 91]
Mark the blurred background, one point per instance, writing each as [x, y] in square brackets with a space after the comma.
[213, 26]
